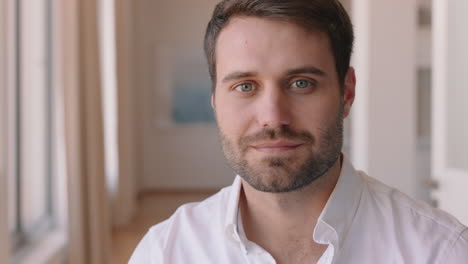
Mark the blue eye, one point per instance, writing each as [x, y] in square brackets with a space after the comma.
[245, 87]
[301, 84]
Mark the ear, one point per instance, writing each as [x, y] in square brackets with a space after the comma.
[349, 91]
[212, 101]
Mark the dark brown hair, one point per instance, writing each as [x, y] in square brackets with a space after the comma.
[327, 16]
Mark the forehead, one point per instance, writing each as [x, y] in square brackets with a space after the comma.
[269, 45]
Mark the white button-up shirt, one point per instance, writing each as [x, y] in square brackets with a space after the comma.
[364, 221]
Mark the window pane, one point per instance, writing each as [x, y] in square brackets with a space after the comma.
[34, 126]
[11, 64]
[34, 115]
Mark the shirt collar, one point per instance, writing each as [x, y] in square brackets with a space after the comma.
[337, 216]
[334, 221]
[232, 209]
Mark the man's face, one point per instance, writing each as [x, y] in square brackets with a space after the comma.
[278, 103]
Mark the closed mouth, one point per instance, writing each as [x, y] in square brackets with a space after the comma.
[277, 146]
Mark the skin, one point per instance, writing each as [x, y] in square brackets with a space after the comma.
[274, 76]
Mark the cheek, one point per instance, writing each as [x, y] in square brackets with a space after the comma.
[229, 122]
[233, 118]
[314, 115]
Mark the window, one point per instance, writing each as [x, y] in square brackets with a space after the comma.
[32, 136]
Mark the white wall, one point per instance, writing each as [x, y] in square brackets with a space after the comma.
[449, 123]
[384, 114]
[457, 87]
[187, 156]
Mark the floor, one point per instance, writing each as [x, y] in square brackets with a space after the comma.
[152, 208]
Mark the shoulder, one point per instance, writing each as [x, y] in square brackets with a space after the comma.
[415, 221]
[192, 217]
[458, 250]
[400, 203]
[190, 222]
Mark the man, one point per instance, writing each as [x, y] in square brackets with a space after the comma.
[281, 88]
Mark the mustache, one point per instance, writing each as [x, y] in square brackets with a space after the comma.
[283, 132]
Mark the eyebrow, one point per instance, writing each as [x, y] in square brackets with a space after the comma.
[307, 69]
[240, 74]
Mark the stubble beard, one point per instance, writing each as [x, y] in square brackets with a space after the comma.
[286, 174]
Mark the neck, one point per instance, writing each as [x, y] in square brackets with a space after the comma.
[291, 216]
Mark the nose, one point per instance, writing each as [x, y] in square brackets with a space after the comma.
[273, 109]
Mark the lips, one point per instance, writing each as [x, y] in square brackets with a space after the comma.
[277, 146]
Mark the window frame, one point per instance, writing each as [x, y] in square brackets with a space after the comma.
[48, 244]
[25, 236]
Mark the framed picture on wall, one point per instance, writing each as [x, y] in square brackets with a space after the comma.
[182, 87]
